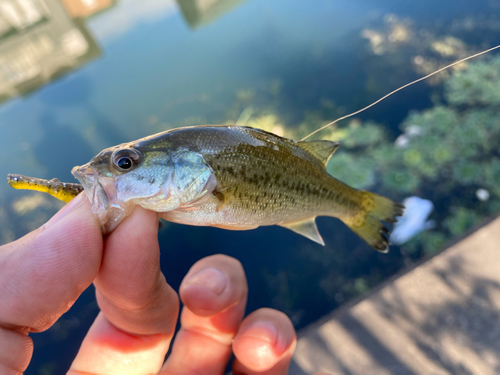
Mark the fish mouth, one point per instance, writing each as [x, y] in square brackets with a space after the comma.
[101, 192]
[89, 178]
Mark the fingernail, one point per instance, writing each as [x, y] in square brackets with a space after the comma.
[70, 206]
[210, 278]
[265, 331]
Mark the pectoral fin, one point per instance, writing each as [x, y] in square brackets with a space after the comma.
[306, 228]
[221, 198]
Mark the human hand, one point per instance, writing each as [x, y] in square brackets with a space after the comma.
[43, 273]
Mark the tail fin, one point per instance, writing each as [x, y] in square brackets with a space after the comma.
[367, 223]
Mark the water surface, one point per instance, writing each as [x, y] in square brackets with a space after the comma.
[139, 67]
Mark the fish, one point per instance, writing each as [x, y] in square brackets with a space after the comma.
[231, 177]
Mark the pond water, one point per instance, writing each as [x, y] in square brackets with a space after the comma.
[73, 82]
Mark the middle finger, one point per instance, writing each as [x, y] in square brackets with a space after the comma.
[214, 293]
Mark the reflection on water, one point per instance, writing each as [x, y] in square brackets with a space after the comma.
[53, 145]
[86, 8]
[201, 12]
[41, 40]
[286, 66]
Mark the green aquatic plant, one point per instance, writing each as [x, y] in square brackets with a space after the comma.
[478, 85]
[448, 152]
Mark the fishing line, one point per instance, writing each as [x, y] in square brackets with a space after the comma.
[400, 88]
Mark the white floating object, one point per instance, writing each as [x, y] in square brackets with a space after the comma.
[413, 221]
[402, 141]
[482, 194]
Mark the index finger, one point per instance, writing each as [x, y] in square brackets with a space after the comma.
[139, 308]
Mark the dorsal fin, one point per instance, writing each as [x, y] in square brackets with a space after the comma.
[306, 228]
[321, 150]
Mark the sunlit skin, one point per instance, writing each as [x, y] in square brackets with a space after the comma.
[43, 273]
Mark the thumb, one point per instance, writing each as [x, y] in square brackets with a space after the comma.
[43, 273]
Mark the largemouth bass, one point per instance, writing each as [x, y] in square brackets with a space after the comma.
[231, 177]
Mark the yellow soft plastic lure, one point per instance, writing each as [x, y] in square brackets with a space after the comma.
[61, 190]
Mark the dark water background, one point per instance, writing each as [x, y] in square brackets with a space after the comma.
[291, 64]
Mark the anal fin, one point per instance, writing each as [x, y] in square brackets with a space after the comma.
[306, 228]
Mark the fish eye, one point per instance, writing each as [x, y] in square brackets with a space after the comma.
[124, 163]
[126, 159]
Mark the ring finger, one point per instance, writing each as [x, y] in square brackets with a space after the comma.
[264, 344]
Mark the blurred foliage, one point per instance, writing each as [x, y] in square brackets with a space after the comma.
[478, 85]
